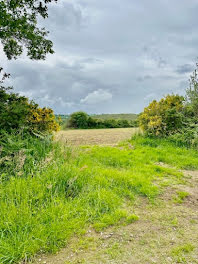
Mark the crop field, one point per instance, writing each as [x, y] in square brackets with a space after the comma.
[95, 136]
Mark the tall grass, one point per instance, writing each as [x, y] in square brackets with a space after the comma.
[21, 153]
[80, 188]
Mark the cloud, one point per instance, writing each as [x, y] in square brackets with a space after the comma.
[185, 68]
[108, 61]
[96, 97]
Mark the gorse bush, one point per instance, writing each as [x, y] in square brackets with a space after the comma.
[43, 119]
[17, 112]
[83, 120]
[164, 117]
[174, 116]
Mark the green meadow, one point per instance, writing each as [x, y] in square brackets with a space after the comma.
[83, 187]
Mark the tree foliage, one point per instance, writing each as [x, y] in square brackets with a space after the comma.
[83, 120]
[164, 117]
[192, 93]
[17, 113]
[78, 120]
[19, 28]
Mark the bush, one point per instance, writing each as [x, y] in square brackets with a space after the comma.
[164, 117]
[78, 120]
[42, 119]
[123, 123]
[25, 130]
[16, 112]
[83, 120]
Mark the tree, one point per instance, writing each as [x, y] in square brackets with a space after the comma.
[19, 28]
[78, 120]
[192, 93]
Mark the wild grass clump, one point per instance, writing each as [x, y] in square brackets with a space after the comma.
[80, 188]
[21, 153]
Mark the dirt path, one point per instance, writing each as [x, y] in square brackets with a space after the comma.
[167, 232]
[95, 136]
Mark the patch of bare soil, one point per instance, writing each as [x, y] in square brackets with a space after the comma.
[166, 233]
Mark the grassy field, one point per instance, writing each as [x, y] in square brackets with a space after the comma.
[129, 202]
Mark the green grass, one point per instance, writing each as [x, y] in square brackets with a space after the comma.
[179, 253]
[181, 195]
[21, 153]
[81, 188]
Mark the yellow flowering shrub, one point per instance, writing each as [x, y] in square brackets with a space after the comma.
[43, 119]
[164, 117]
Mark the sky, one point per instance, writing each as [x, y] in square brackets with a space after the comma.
[111, 56]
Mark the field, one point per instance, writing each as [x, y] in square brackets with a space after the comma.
[104, 201]
[95, 136]
[128, 117]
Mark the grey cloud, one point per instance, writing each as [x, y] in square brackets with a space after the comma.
[144, 78]
[185, 68]
[129, 51]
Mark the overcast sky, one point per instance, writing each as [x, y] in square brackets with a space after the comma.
[111, 56]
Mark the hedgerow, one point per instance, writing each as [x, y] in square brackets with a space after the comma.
[83, 120]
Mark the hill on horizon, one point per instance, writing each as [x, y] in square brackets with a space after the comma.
[128, 117]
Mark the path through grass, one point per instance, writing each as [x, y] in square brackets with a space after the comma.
[88, 188]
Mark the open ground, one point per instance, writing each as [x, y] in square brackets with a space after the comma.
[95, 136]
[166, 231]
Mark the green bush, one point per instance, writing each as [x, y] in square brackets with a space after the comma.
[78, 120]
[16, 112]
[187, 136]
[123, 123]
[83, 120]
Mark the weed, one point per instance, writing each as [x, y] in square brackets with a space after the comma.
[179, 252]
[181, 195]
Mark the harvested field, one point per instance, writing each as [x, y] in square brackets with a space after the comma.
[95, 136]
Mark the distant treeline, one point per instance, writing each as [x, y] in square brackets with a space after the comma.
[128, 117]
[81, 120]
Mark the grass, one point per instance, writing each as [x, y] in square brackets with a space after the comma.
[22, 153]
[90, 186]
[181, 195]
[179, 253]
